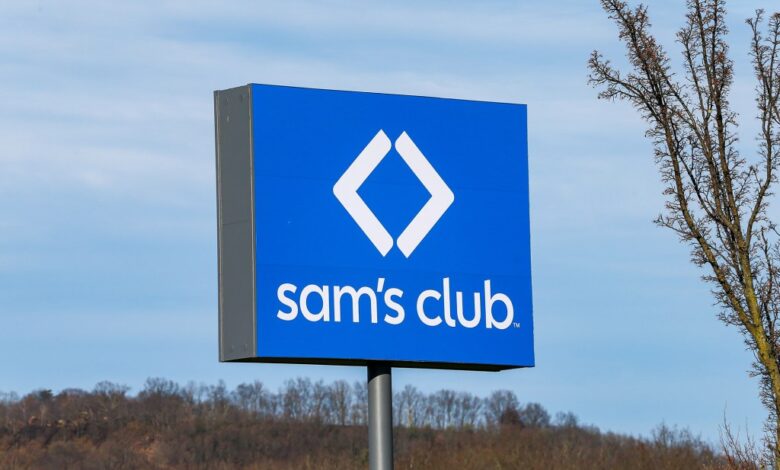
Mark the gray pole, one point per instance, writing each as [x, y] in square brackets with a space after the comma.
[380, 417]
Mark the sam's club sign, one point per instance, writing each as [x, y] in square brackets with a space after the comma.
[358, 227]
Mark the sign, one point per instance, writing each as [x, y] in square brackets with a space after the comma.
[358, 227]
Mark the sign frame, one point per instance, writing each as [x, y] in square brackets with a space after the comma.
[237, 249]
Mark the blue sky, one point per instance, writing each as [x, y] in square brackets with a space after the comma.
[107, 194]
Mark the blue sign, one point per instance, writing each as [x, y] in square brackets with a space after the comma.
[388, 228]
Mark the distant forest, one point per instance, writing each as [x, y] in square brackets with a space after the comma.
[314, 425]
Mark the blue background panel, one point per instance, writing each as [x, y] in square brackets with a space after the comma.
[305, 139]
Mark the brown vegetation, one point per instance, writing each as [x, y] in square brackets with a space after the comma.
[312, 425]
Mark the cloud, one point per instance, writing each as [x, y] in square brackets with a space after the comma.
[118, 89]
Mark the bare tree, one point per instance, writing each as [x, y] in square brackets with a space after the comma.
[360, 403]
[444, 405]
[469, 408]
[716, 198]
[110, 397]
[534, 415]
[321, 410]
[409, 407]
[253, 397]
[341, 399]
[296, 399]
[499, 404]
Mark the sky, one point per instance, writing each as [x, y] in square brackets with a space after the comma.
[108, 267]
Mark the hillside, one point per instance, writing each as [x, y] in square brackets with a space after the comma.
[312, 425]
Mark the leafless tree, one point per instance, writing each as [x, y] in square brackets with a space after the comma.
[469, 409]
[566, 419]
[534, 415]
[341, 399]
[498, 405]
[408, 407]
[360, 403]
[716, 197]
[296, 398]
[253, 397]
[444, 405]
[321, 409]
[740, 455]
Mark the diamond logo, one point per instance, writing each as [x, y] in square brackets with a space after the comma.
[346, 191]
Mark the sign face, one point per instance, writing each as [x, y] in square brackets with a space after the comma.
[357, 227]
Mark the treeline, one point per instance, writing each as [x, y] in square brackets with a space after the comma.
[306, 424]
[301, 400]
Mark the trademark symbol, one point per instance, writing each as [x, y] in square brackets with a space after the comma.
[516, 324]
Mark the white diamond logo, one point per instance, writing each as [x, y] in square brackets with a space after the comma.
[347, 186]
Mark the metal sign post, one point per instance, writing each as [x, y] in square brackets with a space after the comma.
[380, 417]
